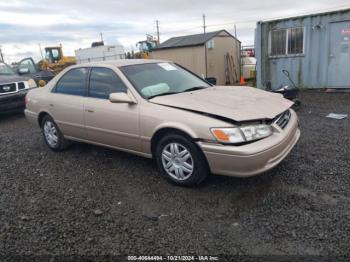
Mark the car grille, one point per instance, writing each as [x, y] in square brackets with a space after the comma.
[21, 85]
[282, 120]
[8, 88]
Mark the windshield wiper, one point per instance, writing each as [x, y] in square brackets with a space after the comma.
[171, 93]
[194, 88]
[163, 94]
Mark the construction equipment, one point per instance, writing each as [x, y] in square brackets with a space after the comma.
[55, 61]
[145, 47]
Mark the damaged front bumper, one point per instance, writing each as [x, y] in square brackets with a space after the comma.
[254, 158]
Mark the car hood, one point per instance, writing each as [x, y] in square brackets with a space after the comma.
[233, 102]
[6, 79]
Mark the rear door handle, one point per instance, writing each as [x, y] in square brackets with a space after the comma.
[90, 110]
[51, 105]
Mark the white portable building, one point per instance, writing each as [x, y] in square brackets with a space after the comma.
[100, 53]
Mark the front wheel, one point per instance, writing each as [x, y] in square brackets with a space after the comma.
[180, 160]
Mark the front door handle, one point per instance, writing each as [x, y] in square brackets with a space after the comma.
[90, 110]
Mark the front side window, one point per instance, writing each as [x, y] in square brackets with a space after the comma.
[55, 53]
[103, 82]
[287, 41]
[28, 63]
[154, 79]
[6, 70]
[73, 82]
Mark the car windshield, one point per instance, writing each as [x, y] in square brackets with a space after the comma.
[156, 79]
[6, 70]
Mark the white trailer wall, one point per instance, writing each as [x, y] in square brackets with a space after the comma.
[100, 53]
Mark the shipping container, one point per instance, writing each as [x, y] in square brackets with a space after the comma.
[314, 49]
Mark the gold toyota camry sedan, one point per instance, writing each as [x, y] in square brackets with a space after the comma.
[158, 109]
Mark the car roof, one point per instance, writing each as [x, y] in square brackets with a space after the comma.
[122, 62]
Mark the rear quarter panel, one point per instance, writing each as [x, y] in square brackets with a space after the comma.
[38, 102]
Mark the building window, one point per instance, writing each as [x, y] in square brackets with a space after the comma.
[278, 42]
[287, 41]
[295, 41]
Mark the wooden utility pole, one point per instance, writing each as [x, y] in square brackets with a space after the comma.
[204, 26]
[157, 24]
[41, 51]
[1, 55]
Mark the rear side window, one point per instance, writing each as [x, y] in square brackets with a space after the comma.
[103, 82]
[73, 82]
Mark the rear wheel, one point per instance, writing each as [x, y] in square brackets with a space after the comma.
[180, 160]
[52, 135]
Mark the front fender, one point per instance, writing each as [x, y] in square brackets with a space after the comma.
[175, 125]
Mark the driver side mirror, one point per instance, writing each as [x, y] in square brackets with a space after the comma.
[121, 98]
[23, 70]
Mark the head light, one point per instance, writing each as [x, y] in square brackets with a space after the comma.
[31, 83]
[236, 135]
[228, 135]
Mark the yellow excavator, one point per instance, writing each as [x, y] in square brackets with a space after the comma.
[55, 61]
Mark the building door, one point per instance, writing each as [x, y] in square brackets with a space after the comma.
[339, 55]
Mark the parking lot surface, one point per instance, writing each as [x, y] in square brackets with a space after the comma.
[90, 200]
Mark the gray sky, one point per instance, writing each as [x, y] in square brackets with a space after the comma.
[77, 23]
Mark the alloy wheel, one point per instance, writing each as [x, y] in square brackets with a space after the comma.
[50, 133]
[177, 161]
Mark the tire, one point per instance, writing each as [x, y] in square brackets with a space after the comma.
[53, 137]
[180, 160]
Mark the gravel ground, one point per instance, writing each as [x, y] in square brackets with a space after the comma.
[90, 200]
